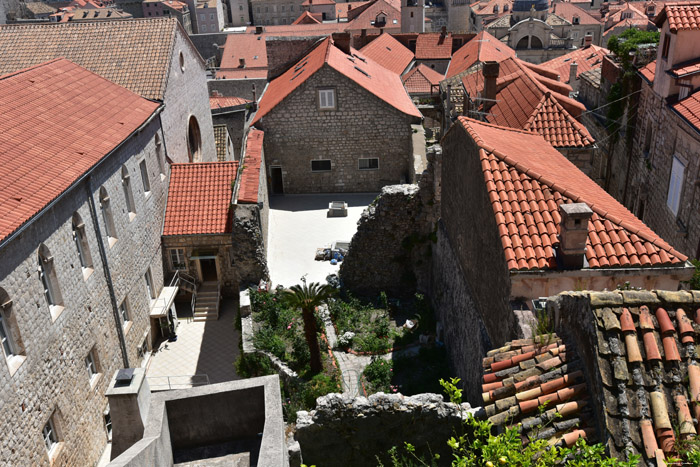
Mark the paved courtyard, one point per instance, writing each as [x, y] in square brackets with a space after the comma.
[206, 349]
[298, 226]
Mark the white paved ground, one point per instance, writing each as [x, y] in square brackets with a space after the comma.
[298, 226]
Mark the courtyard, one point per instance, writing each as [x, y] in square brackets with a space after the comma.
[298, 226]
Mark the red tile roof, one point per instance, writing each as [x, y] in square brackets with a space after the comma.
[689, 109]
[557, 126]
[526, 374]
[364, 17]
[681, 16]
[373, 77]
[389, 53]
[222, 102]
[199, 198]
[252, 49]
[58, 120]
[433, 46]
[306, 18]
[301, 30]
[527, 180]
[569, 10]
[481, 48]
[317, 2]
[250, 174]
[685, 69]
[586, 59]
[341, 9]
[422, 80]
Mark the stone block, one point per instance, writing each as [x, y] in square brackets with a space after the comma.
[600, 299]
[639, 297]
[681, 296]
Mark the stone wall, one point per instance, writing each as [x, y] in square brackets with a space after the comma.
[238, 87]
[206, 44]
[284, 51]
[49, 377]
[236, 124]
[249, 251]
[344, 431]
[297, 132]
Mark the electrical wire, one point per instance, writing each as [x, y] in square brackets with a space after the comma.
[616, 100]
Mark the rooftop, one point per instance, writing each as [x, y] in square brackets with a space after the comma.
[134, 53]
[689, 109]
[433, 46]
[570, 10]
[244, 56]
[58, 121]
[527, 179]
[223, 102]
[250, 177]
[422, 80]
[482, 48]
[681, 16]
[199, 198]
[306, 18]
[586, 58]
[389, 52]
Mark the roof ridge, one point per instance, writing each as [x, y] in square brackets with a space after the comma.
[33, 67]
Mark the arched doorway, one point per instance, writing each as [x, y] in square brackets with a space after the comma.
[535, 42]
[522, 43]
[194, 140]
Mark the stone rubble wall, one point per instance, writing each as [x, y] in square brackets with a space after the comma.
[344, 431]
[249, 244]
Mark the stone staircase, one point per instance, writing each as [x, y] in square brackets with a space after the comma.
[206, 306]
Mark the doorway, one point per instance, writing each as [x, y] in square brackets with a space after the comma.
[277, 183]
[208, 268]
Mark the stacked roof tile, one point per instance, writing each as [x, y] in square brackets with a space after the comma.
[133, 53]
[250, 177]
[58, 120]
[389, 52]
[434, 46]
[538, 385]
[527, 179]
[681, 16]
[586, 59]
[199, 198]
[422, 80]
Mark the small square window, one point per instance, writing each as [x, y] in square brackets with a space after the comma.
[124, 312]
[108, 423]
[49, 435]
[323, 165]
[90, 365]
[675, 185]
[371, 163]
[326, 99]
[177, 259]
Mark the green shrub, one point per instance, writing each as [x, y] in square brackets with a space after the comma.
[378, 375]
[300, 351]
[250, 365]
[372, 343]
[266, 339]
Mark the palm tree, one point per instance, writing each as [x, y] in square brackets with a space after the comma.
[307, 298]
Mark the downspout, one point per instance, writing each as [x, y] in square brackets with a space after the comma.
[108, 276]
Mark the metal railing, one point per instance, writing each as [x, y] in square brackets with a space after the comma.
[167, 383]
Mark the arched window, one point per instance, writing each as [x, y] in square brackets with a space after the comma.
[128, 194]
[522, 43]
[194, 140]
[107, 217]
[9, 337]
[81, 244]
[160, 155]
[535, 42]
[49, 281]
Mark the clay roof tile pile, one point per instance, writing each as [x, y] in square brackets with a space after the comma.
[58, 120]
[250, 176]
[199, 198]
[389, 52]
[527, 374]
[527, 179]
[133, 53]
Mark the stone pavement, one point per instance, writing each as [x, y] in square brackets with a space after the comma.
[202, 348]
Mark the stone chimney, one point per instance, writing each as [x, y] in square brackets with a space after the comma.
[573, 73]
[342, 41]
[573, 234]
[587, 41]
[259, 29]
[241, 63]
[129, 399]
[490, 70]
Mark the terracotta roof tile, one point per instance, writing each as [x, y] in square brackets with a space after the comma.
[586, 59]
[251, 49]
[252, 162]
[389, 53]
[515, 158]
[133, 53]
[306, 18]
[569, 10]
[433, 46]
[199, 198]
[301, 30]
[680, 15]
[481, 48]
[422, 80]
[689, 109]
[364, 71]
[364, 16]
[58, 120]
[557, 126]
[223, 102]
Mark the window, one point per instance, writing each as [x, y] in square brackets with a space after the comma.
[47, 275]
[107, 217]
[282, 8]
[9, 335]
[242, 19]
[149, 284]
[675, 185]
[574, 35]
[8, 347]
[194, 140]
[160, 156]
[323, 165]
[371, 163]
[108, 423]
[576, 19]
[182, 63]
[49, 434]
[326, 98]
[204, 28]
[291, 7]
[647, 140]
[202, 16]
[267, 10]
[283, 20]
[177, 259]
[666, 46]
[81, 245]
[240, 7]
[411, 14]
[211, 16]
[258, 10]
[92, 367]
[124, 312]
[128, 194]
[144, 178]
[142, 349]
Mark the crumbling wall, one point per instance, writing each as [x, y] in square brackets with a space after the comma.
[248, 253]
[392, 247]
[344, 431]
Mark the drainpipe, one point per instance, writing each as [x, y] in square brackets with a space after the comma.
[108, 276]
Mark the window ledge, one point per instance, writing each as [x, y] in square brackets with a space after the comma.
[162, 177]
[111, 241]
[95, 380]
[127, 327]
[147, 194]
[55, 452]
[14, 362]
[87, 272]
[369, 169]
[56, 311]
[132, 216]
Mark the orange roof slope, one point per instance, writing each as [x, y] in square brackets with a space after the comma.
[222, 102]
[586, 59]
[252, 49]
[389, 52]
[682, 16]
[481, 48]
[557, 126]
[527, 180]
[199, 198]
[649, 71]
[422, 80]
[301, 30]
[58, 120]
[364, 71]
[433, 46]
[134, 53]
[250, 177]
[306, 18]
[569, 10]
[689, 109]
[364, 17]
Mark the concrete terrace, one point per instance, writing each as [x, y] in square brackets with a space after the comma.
[298, 226]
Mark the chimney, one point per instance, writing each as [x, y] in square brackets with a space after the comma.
[443, 32]
[241, 63]
[216, 93]
[129, 400]
[573, 75]
[258, 29]
[349, 6]
[587, 41]
[363, 33]
[573, 234]
[490, 71]
[342, 41]
[254, 94]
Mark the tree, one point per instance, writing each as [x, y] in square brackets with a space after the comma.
[307, 297]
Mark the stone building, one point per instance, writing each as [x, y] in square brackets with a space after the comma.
[209, 15]
[163, 66]
[272, 12]
[585, 29]
[239, 13]
[233, 113]
[78, 201]
[175, 8]
[317, 136]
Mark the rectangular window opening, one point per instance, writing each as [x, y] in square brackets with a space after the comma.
[323, 165]
[370, 163]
